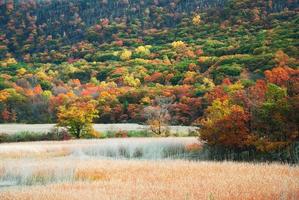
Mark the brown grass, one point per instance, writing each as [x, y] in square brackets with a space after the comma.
[166, 180]
[90, 174]
[92, 178]
[43, 154]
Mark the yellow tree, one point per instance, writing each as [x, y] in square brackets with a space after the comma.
[77, 117]
[130, 80]
[143, 50]
[4, 95]
[21, 71]
[126, 55]
[196, 20]
[8, 62]
[179, 45]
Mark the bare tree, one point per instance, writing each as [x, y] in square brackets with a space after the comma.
[158, 116]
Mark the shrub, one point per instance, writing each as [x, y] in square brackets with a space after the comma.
[121, 134]
[102, 57]
[26, 136]
[143, 133]
[226, 70]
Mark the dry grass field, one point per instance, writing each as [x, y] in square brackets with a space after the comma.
[54, 171]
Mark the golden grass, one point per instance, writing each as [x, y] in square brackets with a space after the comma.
[90, 174]
[108, 179]
[91, 178]
[43, 154]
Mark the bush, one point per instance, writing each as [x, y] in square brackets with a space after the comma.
[26, 136]
[219, 153]
[139, 133]
[3, 84]
[83, 76]
[123, 134]
[102, 57]
[226, 70]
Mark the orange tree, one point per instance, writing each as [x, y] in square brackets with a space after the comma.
[261, 119]
[226, 125]
[77, 117]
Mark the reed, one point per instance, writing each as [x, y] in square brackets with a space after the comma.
[79, 176]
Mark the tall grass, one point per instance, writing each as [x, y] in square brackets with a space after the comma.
[64, 170]
[115, 179]
[115, 148]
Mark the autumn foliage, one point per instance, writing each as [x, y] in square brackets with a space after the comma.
[77, 118]
[262, 117]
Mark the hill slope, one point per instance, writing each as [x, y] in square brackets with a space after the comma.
[123, 54]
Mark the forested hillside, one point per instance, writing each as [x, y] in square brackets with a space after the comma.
[124, 53]
[43, 30]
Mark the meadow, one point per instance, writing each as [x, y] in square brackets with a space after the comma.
[135, 168]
